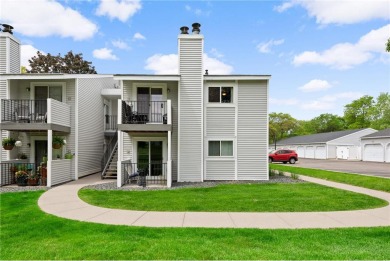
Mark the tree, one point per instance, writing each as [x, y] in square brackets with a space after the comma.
[280, 125]
[327, 122]
[70, 63]
[381, 112]
[358, 114]
[388, 45]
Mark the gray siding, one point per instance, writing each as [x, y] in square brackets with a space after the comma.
[3, 55]
[90, 124]
[252, 129]
[14, 66]
[61, 171]
[173, 95]
[127, 148]
[127, 89]
[3, 95]
[190, 108]
[60, 113]
[220, 121]
[220, 169]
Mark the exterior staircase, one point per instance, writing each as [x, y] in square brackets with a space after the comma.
[111, 171]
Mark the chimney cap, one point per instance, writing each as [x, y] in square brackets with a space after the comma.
[184, 30]
[196, 28]
[7, 28]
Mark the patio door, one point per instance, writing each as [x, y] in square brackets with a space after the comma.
[42, 93]
[40, 151]
[150, 103]
[150, 157]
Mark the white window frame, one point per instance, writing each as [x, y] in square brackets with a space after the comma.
[220, 148]
[48, 84]
[137, 85]
[220, 94]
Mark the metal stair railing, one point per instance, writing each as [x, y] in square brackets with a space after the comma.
[109, 154]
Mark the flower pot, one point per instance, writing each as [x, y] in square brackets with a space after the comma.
[33, 182]
[57, 146]
[21, 181]
[8, 147]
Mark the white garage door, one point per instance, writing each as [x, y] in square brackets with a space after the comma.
[373, 152]
[301, 152]
[309, 152]
[342, 152]
[388, 153]
[320, 152]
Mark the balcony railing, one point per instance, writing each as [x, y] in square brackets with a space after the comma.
[8, 171]
[145, 173]
[24, 111]
[141, 112]
[111, 123]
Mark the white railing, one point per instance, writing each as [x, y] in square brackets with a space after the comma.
[58, 113]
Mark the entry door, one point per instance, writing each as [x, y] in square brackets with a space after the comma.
[150, 157]
[150, 103]
[40, 151]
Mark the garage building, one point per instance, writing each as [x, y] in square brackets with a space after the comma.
[376, 146]
[329, 145]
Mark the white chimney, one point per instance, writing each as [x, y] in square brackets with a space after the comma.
[9, 51]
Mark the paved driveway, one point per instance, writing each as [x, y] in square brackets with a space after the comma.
[361, 167]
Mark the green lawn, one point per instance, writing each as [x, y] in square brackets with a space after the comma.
[376, 183]
[254, 197]
[28, 233]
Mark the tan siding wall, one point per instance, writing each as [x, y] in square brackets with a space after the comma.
[220, 169]
[220, 121]
[252, 139]
[191, 118]
[90, 124]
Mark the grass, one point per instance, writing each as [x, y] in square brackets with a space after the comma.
[291, 197]
[376, 183]
[26, 233]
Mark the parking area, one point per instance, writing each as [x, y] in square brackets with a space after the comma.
[361, 167]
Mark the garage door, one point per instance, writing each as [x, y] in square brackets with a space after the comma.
[320, 152]
[388, 153]
[301, 152]
[309, 152]
[342, 152]
[373, 152]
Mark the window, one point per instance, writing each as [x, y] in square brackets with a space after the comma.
[221, 94]
[220, 148]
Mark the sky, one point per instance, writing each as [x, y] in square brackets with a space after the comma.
[321, 54]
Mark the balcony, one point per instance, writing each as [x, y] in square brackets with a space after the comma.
[34, 115]
[145, 116]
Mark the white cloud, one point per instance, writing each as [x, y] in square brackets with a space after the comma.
[265, 47]
[104, 54]
[328, 102]
[342, 96]
[119, 9]
[315, 85]
[43, 18]
[168, 64]
[283, 101]
[216, 53]
[139, 36]
[27, 51]
[347, 55]
[197, 11]
[120, 44]
[318, 105]
[341, 12]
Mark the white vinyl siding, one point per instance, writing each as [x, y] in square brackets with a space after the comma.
[220, 121]
[190, 108]
[220, 169]
[61, 171]
[90, 124]
[60, 113]
[14, 66]
[127, 148]
[173, 96]
[3, 55]
[252, 131]
[3, 95]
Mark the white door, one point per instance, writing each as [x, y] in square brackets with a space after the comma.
[373, 152]
[301, 152]
[309, 152]
[342, 152]
[388, 153]
[320, 152]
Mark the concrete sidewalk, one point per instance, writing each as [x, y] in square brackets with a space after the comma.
[63, 201]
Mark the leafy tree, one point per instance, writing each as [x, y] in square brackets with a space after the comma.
[70, 63]
[359, 113]
[388, 45]
[381, 112]
[327, 122]
[281, 125]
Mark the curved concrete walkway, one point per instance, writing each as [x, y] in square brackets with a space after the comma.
[63, 201]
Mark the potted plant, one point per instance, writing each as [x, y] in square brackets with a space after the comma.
[58, 142]
[68, 155]
[23, 156]
[21, 177]
[8, 143]
[33, 179]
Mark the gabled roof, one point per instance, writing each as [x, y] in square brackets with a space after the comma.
[379, 134]
[317, 138]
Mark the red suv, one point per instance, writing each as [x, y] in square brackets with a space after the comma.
[283, 156]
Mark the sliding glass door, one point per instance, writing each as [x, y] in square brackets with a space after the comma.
[150, 157]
